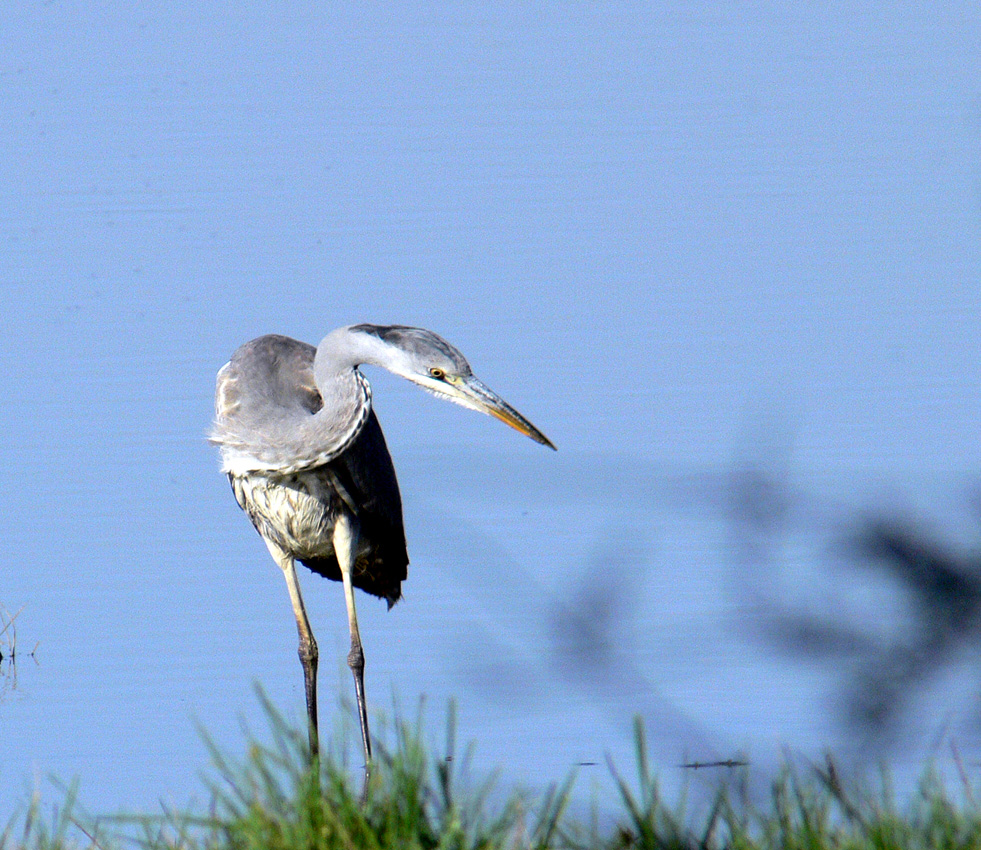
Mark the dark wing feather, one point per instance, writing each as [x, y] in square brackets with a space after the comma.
[367, 476]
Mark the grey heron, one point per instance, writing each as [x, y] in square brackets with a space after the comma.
[307, 462]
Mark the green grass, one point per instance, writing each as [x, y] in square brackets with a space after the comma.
[271, 800]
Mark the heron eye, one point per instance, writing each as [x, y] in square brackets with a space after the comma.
[438, 374]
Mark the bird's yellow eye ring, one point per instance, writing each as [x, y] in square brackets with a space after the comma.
[438, 374]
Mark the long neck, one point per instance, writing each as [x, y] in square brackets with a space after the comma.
[343, 350]
[345, 391]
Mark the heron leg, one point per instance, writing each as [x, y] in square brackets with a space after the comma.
[308, 652]
[345, 548]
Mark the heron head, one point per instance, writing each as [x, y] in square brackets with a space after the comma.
[431, 362]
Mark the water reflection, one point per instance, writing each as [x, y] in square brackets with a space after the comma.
[917, 618]
[942, 590]
[878, 651]
[11, 651]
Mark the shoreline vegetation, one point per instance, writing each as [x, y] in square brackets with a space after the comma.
[272, 800]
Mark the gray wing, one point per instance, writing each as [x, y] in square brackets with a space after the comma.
[265, 401]
[267, 374]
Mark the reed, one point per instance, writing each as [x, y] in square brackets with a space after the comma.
[271, 799]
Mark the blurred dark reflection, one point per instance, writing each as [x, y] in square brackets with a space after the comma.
[587, 624]
[593, 629]
[878, 612]
[887, 646]
[928, 609]
[944, 591]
